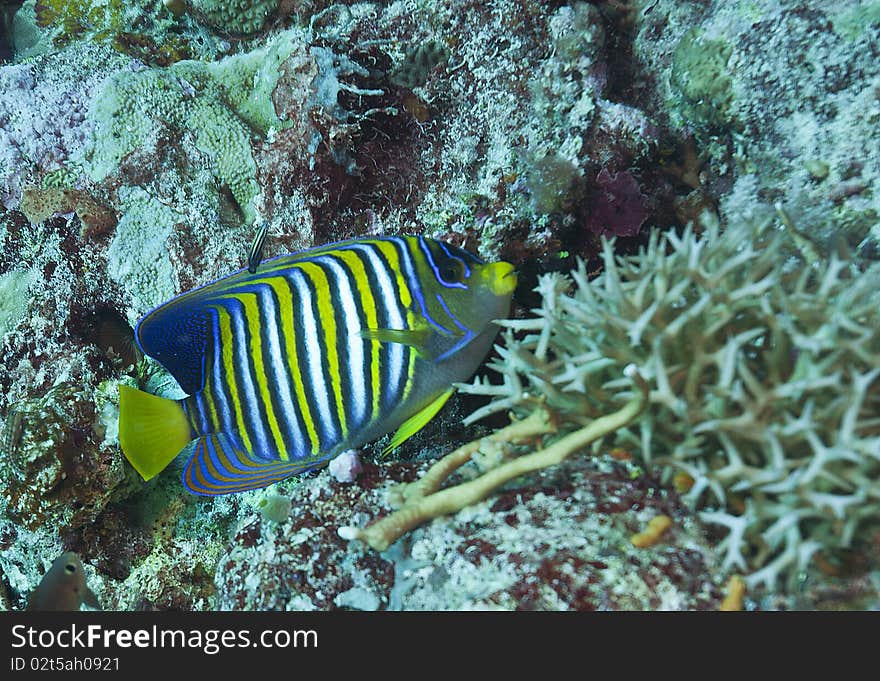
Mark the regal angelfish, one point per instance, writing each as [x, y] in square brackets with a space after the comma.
[314, 353]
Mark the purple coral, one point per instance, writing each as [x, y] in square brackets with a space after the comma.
[42, 124]
[346, 467]
[620, 208]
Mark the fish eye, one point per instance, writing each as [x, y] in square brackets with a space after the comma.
[70, 567]
[452, 270]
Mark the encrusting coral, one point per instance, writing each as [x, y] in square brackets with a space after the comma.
[197, 97]
[764, 373]
[239, 17]
[139, 28]
[228, 106]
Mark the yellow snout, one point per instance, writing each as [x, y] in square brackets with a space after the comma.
[500, 278]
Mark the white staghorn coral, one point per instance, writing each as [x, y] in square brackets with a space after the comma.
[764, 381]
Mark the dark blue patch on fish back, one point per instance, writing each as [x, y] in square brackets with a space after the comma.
[176, 336]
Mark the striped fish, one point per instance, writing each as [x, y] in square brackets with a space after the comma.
[312, 354]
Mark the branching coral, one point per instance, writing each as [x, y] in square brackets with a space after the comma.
[765, 377]
[423, 501]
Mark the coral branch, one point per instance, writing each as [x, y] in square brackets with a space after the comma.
[539, 423]
[424, 507]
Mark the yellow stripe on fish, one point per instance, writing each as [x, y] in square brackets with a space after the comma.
[249, 302]
[314, 353]
[228, 364]
[281, 289]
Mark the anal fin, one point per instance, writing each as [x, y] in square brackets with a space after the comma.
[218, 466]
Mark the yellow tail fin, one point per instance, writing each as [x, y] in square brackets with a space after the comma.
[152, 430]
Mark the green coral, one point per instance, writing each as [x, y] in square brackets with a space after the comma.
[221, 104]
[854, 21]
[700, 72]
[138, 255]
[78, 18]
[765, 374]
[186, 98]
[248, 80]
[63, 178]
[240, 17]
[419, 61]
[62, 22]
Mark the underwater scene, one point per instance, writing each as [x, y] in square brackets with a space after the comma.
[452, 305]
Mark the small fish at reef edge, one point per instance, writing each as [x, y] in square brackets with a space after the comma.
[315, 353]
[63, 587]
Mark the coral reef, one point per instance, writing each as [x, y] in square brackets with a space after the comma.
[144, 143]
[620, 209]
[43, 115]
[59, 468]
[557, 541]
[765, 381]
[417, 64]
[219, 104]
[542, 129]
[784, 98]
[236, 17]
[699, 73]
[144, 29]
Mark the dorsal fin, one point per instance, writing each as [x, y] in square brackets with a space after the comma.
[177, 333]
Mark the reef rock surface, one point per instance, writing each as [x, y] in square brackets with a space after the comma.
[143, 143]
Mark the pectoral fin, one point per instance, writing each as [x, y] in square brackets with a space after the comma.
[416, 338]
[417, 421]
